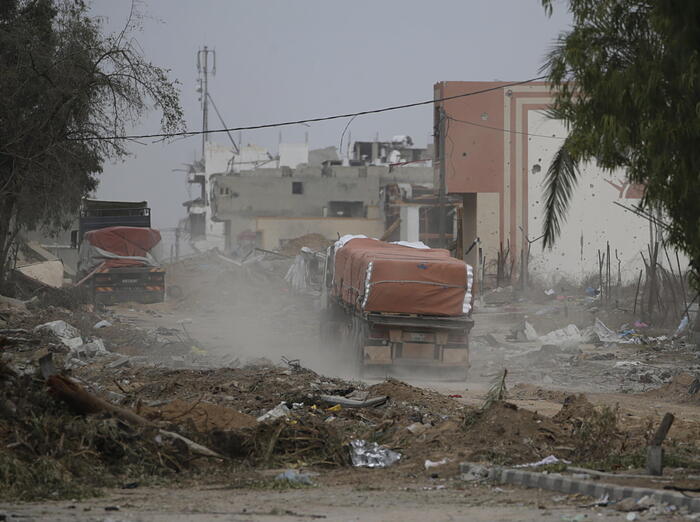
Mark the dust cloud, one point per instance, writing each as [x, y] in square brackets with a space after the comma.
[248, 312]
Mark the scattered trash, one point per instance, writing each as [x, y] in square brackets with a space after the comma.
[564, 336]
[473, 472]
[592, 292]
[281, 410]
[551, 459]
[551, 291]
[67, 334]
[455, 396]
[292, 476]
[417, 428]
[102, 324]
[606, 335]
[372, 455]
[682, 326]
[352, 403]
[434, 464]
[524, 332]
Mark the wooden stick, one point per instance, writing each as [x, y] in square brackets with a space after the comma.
[636, 294]
[85, 403]
[662, 431]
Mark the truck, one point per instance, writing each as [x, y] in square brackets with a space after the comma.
[115, 242]
[397, 307]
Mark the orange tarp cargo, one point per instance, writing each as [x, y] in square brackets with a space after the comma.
[374, 276]
[123, 242]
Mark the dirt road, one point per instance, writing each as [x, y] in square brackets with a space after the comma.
[405, 500]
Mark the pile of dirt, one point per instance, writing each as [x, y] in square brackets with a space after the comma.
[505, 434]
[575, 408]
[524, 391]
[200, 416]
[405, 393]
[683, 388]
[315, 242]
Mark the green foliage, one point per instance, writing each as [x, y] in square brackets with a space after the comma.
[626, 82]
[63, 81]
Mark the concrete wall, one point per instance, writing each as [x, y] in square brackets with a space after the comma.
[268, 192]
[276, 229]
[593, 218]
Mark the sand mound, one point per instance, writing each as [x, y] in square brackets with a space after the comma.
[523, 391]
[684, 387]
[204, 416]
[401, 392]
[575, 407]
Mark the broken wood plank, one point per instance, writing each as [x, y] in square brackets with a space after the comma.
[82, 401]
[662, 431]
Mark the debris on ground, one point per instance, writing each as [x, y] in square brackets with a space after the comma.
[292, 476]
[372, 455]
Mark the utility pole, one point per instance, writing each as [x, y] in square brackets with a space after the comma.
[204, 71]
[441, 135]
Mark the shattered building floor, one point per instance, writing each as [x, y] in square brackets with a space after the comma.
[265, 417]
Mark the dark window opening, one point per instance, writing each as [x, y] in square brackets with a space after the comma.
[198, 226]
[355, 209]
[297, 187]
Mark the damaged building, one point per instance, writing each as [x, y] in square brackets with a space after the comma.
[497, 148]
[315, 192]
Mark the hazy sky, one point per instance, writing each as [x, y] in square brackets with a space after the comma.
[292, 59]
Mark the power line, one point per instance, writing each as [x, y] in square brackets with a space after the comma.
[475, 124]
[299, 122]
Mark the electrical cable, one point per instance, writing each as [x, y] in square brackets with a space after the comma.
[299, 122]
[475, 124]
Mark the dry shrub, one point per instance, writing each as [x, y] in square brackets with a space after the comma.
[49, 452]
[597, 436]
[306, 440]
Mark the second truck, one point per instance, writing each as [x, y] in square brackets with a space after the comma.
[116, 262]
[398, 307]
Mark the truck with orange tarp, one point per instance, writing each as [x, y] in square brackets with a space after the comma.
[398, 306]
[116, 262]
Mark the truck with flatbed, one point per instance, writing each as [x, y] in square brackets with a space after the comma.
[116, 262]
[397, 307]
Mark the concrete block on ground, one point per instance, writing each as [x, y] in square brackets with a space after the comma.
[572, 486]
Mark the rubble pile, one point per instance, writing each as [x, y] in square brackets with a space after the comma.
[91, 400]
[315, 242]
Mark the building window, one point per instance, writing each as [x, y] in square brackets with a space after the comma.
[297, 187]
[354, 209]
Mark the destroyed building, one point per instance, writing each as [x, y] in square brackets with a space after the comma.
[302, 192]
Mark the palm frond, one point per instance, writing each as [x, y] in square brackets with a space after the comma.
[497, 392]
[560, 181]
